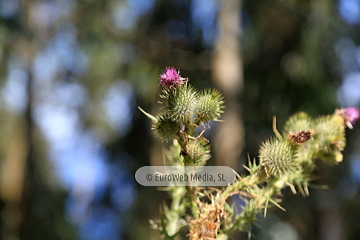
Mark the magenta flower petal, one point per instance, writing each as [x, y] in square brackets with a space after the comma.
[171, 78]
[350, 115]
[353, 114]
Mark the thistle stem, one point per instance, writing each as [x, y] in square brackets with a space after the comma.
[177, 194]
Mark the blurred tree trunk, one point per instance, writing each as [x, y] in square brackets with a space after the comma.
[17, 179]
[12, 176]
[25, 227]
[228, 78]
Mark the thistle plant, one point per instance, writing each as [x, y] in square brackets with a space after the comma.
[285, 160]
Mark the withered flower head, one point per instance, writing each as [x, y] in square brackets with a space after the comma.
[300, 137]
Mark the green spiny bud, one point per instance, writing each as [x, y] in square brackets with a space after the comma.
[277, 157]
[329, 131]
[198, 151]
[298, 122]
[181, 102]
[166, 128]
[210, 105]
[330, 138]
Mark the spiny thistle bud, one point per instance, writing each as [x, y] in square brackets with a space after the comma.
[299, 137]
[298, 122]
[330, 137]
[350, 115]
[171, 78]
[210, 105]
[198, 151]
[181, 103]
[277, 157]
[166, 128]
[330, 132]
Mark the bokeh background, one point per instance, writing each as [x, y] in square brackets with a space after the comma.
[72, 73]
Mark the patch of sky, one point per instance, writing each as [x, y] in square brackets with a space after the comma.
[126, 14]
[77, 210]
[122, 187]
[65, 7]
[61, 54]
[355, 169]
[104, 223]
[349, 92]
[9, 8]
[46, 65]
[14, 91]
[347, 54]
[65, 48]
[47, 13]
[203, 15]
[175, 30]
[83, 165]
[127, 52]
[82, 208]
[119, 104]
[350, 10]
[58, 123]
[71, 94]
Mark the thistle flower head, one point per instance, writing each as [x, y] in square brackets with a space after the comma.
[353, 114]
[350, 115]
[171, 78]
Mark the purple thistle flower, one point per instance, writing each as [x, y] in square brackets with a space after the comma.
[353, 114]
[171, 78]
[350, 115]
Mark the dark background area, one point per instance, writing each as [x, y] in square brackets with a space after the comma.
[72, 73]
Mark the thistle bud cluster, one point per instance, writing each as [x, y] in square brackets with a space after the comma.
[184, 110]
[286, 160]
[305, 140]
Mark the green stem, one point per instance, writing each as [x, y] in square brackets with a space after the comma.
[175, 211]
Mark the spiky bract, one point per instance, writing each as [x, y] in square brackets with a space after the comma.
[298, 122]
[210, 105]
[277, 157]
[166, 128]
[180, 103]
[198, 151]
[330, 138]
